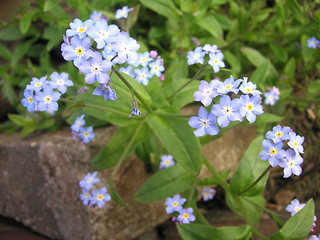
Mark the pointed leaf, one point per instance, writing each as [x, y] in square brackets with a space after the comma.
[165, 8]
[254, 56]
[210, 24]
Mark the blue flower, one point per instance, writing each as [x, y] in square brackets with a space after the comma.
[100, 197]
[110, 56]
[278, 134]
[142, 75]
[29, 101]
[272, 152]
[207, 193]
[78, 123]
[126, 47]
[79, 28]
[249, 87]
[102, 34]
[195, 56]
[313, 42]
[204, 122]
[144, 59]
[86, 134]
[156, 68]
[229, 85]
[96, 69]
[166, 161]
[271, 98]
[295, 142]
[85, 196]
[211, 48]
[135, 112]
[96, 16]
[291, 163]
[127, 70]
[37, 84]
[207, 91]
[250, 107]
[60, 81]
[47, 99]
[227, 110]
[174, 204]
[89, 180]
[78, 51]
[105, 91]
[186, 216]
[294, 207]
[216, 61]
[123, 12]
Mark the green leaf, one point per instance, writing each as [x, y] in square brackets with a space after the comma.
[314, 89]
[172, 133]
[290, 68]
[249, 169]
[133, 16]
[194, 231]
[26, 21]
[5, 52]
[280, 52]
[115, 195]
[21, 51]
[212, 180]
[120, 146]
[248, 207]
[210, 24]
[49, 4]
[253, 55]
[20, 120]
[265, 71]
[268, 118]
[165, 8]
[185, 96]
[9, 93]
[10, 34]
[233, 61]
[28, 129]
[165, 183]
[298, 226]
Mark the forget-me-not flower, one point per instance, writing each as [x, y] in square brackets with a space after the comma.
[123, 12]
[278, 134]
[142, 75]
[106, 91]
[37, 84]
[195, 56]
[47, 99]
[251, 107]
[207, 193]
[85, 196]
[295, 142]
[127, 70]
[100, 197]
[204, 122]
[313, 42]
[166, 161]
[207, 91]
[291, 164]
[78, 123]
[271, 98]
[216, 61]
[126, 47]
[211, 48]
[295, 206]
[96, 15]
[229, 85]
[186, 216]
[248, 87]
[86, 134]
[175, 203]
[227, 110]
[60, 81]
[156, 68]
[29, 101]
[79, 28]
[272, 152]
[89, 180]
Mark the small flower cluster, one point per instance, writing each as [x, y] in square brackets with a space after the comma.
[247, 105]
[90, 196]
[271, 96]
[174, 204]
[313, 43]
[151, 65]
[289, 159]
[215, 56]
[166, 161]
[208, 193]
[39, 94]
[295, 206]
[84, 134]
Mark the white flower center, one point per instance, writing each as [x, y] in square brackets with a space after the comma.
[227, 110]
[204, 122]
[96, 68]
[249, 107]
[60, 82]
[79, 51]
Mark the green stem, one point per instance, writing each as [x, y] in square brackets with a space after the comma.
[129, 145]
[257, 180]
[191, 80]
[146, 106]
[105, 109]
[215, 173]
[172, 115]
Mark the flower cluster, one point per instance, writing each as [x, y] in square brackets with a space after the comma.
[90, 196]
[215, 56]
[147, 66]
[40, 94]
[271, 96]
[166, 161]
[313, 42]
[295, 206]
[84, 134]
[289, 159]
[247, 104]
[174, 204]
[208, 193]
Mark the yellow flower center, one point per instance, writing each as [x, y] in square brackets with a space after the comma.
[79, 51]
[249, 107]
[86, 134]
[295, 143]
[38, 84]
[30, 99]
[86, 195]
[291, 163]
[248, 89]
[47, 99]
[100, 197]
[228, 86]
[83, 29]
[216, 61]
[279, 134]
[185, 215]
[175, 203]
[273, 151]
[167, 162]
